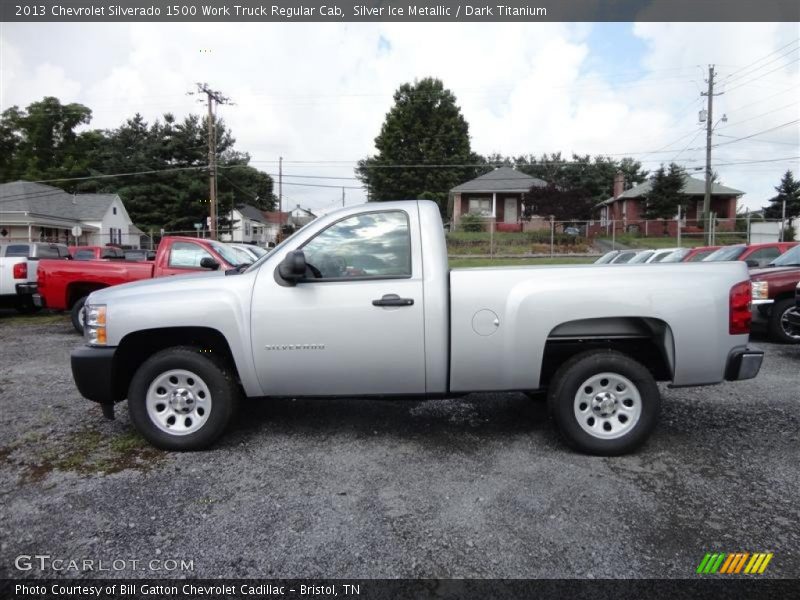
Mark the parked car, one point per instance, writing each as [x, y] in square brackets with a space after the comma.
[252, 251]
[774, 296]
[18, 262]
[755, 255]
[623, 257]
[607, 257]
[794, 316]
[660, 255]
[573, 231]
[641, 257]
[307, 321]
[65, 285]
[95, 252]
[689, 254]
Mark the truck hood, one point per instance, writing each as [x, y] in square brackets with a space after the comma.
[773, 273]
[155, 287]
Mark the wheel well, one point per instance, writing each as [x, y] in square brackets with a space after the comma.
[76, 291]
[784, 295]
[137, 347]
[646, 340]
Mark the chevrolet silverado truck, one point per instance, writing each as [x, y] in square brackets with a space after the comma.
[774, 296]
[65, 285]
[361, 302]
[18, 262]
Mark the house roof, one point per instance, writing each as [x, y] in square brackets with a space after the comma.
[251, 212]
[47, 200]
[502, 179]
[305, 210]
[275, 217]
[691, 187]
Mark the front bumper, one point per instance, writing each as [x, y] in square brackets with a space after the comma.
[744, 364]
[93, 372]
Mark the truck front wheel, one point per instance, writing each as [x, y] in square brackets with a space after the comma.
[180, 399]
[604, 402]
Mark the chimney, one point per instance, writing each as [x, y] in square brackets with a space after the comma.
[619, 184]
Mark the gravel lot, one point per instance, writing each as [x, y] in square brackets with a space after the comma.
[473, 487]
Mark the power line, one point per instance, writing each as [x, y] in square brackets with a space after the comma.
[736, 87]
[757, 116]
[762, 58]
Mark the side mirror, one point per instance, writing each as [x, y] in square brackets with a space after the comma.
[209, 263]
[293, 268]
[752, 263]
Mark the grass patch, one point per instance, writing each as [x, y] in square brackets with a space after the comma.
[460, 263]
[634, 241]
[530, 242]
[36, 319]
[86, 452]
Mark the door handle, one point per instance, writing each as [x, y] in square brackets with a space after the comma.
[393, 300]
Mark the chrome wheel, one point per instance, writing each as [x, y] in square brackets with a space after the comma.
[178, 402]
[790, 330]
[607, 405]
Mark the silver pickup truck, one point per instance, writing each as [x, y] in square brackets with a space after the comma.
[361, 302]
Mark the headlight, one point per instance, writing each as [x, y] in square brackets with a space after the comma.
[94, 324]
[760, 290]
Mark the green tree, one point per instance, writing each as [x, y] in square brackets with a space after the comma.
[424, 127]
[789, 192]
[665, 194]
[42, 141]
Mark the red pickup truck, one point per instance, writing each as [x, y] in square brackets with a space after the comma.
[64, 285]
[774, 296]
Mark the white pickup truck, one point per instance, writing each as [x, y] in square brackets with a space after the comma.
[361, 302]
[18, 261]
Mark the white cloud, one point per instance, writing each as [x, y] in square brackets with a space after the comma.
[319, 92]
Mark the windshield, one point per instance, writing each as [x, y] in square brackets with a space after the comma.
[258, 251]
[788, 259]
[232, 256]
[607, 257]
[725, 253]
[641, 257]
[676, 255]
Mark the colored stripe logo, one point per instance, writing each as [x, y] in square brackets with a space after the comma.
[734, 563]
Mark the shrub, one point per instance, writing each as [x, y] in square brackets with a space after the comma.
[471, 222]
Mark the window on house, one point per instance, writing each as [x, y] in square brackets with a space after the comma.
[114, 210]
[480, 206]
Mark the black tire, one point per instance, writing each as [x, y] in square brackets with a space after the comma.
[563, 404]
[779, 330]
[214, 374]
[75, 314]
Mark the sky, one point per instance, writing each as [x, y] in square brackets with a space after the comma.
[317, 93]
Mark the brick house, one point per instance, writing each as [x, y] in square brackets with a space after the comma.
[627, 207]
[496, 195]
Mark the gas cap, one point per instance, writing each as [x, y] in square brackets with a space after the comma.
[485, 322]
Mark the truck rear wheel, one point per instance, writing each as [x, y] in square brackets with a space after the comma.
[76, 314]
[604, 402]
[780, 329]
[180, 399]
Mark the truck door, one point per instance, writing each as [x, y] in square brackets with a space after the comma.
[354, 326]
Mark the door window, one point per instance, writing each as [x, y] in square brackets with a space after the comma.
[764, 256]
[371, 245]
[186, 255]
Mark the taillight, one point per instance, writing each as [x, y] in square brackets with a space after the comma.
[21, 270]
[740, 315]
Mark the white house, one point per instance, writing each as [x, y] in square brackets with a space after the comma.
[299, 216]
[250, 226]
[37, 212]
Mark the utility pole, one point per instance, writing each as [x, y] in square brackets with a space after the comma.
[709, 129]
[213, 98]
[280, 197]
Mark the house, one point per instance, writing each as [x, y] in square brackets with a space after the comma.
[498, 195]
[299, 216]
[250, 226]
[626, 207]
[36, 212]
